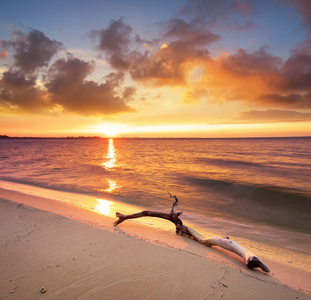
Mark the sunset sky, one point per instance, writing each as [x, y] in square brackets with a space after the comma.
[173, 68]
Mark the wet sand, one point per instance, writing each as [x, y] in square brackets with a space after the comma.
[78, 254]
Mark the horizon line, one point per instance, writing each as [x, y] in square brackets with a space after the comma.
[137, 137]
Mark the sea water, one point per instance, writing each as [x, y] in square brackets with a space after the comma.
[256, 188]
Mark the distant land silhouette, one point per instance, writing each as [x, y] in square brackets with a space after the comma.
[36, 137]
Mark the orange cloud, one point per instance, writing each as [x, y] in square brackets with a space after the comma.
[271, 116]
[169, 65]
[256, 78]
[18, 93]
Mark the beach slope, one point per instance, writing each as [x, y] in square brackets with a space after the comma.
[86, 258]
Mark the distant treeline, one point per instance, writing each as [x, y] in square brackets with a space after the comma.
[68, 137]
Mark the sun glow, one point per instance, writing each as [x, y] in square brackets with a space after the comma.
[199, 130]
[110, 132]
[108, 129]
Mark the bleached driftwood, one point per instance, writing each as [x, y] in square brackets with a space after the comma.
[251, 260]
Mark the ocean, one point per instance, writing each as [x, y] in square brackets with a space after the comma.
[257, 189]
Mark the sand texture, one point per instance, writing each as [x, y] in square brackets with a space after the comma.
[76, 254]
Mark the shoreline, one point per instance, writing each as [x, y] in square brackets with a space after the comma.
[288, 239]
[226, 274]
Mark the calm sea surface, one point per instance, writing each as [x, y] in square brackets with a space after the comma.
[261, 186]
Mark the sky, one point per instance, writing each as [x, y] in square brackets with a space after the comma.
[140, 68]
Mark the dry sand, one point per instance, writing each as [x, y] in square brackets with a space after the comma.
[78, 254]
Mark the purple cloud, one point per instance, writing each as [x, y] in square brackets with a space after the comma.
[114, 41]
[68, 87]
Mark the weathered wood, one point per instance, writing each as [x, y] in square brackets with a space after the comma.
[145, 213]
[251, 260]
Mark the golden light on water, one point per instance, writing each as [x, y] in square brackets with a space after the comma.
[111, 160]
[110, 163]
[112, 186]
[104, 207]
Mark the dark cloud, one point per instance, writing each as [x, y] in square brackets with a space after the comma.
[68, 88]
[272, 116]
[182, 43]
[114, 41]
[298, 100]
[297, 69]
[192, 32]
[246, 64]
[19, 93]
[292, 87]
[18, 85]
[303, 7]
[67, 73]
[147, 43]
[32, 50]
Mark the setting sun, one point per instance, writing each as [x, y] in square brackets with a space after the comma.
[109, 129]
[110, 132]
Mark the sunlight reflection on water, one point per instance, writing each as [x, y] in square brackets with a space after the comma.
[112, 186]
[104, 207]
[110, 163]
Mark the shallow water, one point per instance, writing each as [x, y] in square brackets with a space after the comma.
[255, 188]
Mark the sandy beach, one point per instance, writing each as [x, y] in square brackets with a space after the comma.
[78, 254]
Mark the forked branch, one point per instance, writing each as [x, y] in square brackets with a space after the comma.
[251, 260]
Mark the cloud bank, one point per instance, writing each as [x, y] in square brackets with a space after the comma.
[271, 116]
[38, 80]
[67, 87]
[63, 86]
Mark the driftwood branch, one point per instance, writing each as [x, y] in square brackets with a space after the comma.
[251, 260]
